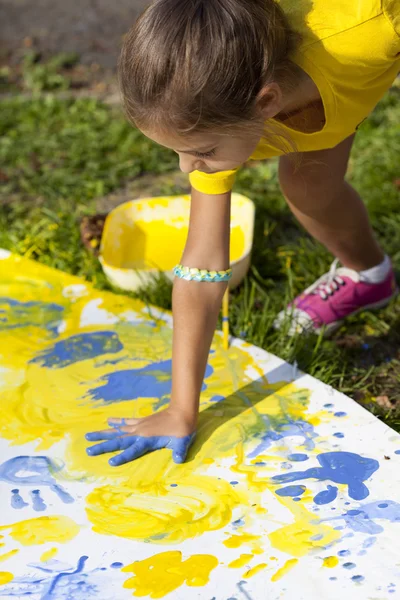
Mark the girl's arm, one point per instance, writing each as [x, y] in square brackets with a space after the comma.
[196, 304]
[195, 311]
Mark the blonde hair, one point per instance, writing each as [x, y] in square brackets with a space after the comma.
[196, 65]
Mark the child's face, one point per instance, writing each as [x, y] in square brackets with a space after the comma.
[209, 152]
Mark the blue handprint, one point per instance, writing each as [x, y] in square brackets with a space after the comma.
[134, 446]
[340, 467]
[32, 471]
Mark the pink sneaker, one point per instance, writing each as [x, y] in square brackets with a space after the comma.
[333, 297]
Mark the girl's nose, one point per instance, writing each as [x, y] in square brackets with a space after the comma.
[187, 163]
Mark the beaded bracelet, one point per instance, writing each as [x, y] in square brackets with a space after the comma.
[193, 274]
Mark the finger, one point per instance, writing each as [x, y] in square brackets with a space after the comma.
[121, 422]
[106, 434]
[109, 446]
[137, 449]
[180, 448]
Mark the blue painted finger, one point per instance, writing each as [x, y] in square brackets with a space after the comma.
[180, 448]
[97, 436]
[108, 446]
[140, 447]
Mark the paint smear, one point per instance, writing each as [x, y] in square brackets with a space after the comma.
[289, 564]
[5, 577]
[330, 562]
[235, 541]
[7, 555]
[241, 561]
[43, 529]
[49, 554]
[161, 574]
[301, 537]
[254, 570]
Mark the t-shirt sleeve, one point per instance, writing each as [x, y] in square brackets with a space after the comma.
[213, 183]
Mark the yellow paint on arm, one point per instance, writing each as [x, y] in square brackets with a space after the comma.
[7, 555]
[161, 574]
[241, 561]
[5, 577]
[43, 529]
[330, 562]
[254, 570]
[49, 554]
[289, 564]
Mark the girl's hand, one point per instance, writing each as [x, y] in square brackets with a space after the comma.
[136, 437]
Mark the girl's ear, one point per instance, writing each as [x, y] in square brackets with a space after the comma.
[269, 100]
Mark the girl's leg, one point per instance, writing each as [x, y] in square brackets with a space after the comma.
[328, 207]
[333, 213]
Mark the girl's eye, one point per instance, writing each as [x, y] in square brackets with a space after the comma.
[205, 154]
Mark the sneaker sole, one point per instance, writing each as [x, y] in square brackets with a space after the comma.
[332, 327]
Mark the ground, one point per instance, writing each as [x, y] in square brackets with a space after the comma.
[67, 153]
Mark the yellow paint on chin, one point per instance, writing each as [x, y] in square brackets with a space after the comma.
[49, 554]
[241, 561]
[5, 577]
[43, 529]
[289, 564]
[330, 562]
[254, 570]
[8, 555]
[161, 574]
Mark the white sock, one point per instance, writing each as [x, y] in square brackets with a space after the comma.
[377, 274]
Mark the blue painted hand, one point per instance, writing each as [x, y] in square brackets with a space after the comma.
[136, 437]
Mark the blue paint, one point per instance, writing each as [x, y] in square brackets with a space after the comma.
[79, 347]
[317, 537]
[397, 451]
[349, 565]
[16, 500]
[340, 467]
[332, 578]
[296, 499]
[326, 496]
[116, 565]
[287, 466]
[298, 457]
[37, 501]
[135, 446]
[291, 490]
[217, 398]
[260, 463]
[329, 405]
[238, 523]
[45, 315]
[340, 414]
[284, 430]
[152, 381]
[338, 434]
[234, 482]
[39, 468]
[174, 485]
[49, 594]
[244, 592]
[344, 553]
[369, 542]
[358, 578]
[363, 520]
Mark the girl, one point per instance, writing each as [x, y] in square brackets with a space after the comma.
[222, 81]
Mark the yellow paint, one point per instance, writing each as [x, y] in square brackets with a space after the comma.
[49, 554]
[296, 539]
[161, 574]
[5, 577]
[289, 564]
[7, 555]
[156, 245]
[254, 570]
[235, 541]
[241, 561]
[43, 529]
[330, 562]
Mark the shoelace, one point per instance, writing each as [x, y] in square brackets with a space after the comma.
[329, 283]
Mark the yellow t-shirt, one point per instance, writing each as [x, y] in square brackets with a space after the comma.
[351, 50]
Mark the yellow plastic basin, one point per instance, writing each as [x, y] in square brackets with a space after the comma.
[145, 236]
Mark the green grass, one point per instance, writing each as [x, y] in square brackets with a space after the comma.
[57, 156]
